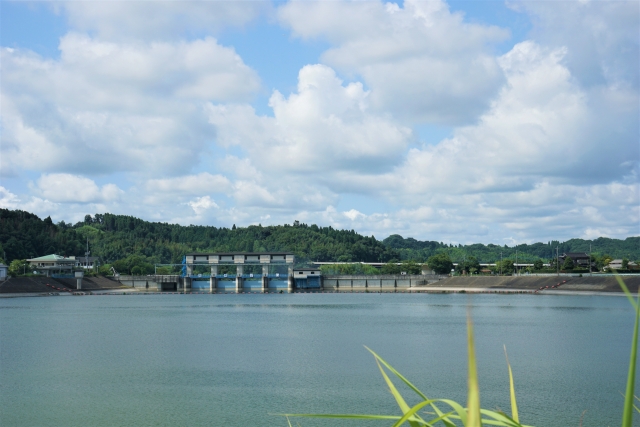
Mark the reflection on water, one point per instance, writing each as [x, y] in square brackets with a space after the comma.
[214, 359]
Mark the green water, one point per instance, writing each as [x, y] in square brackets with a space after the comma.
[196, 360]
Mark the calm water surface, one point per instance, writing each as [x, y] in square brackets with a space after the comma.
[197, 360]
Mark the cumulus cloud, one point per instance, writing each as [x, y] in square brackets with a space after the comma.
[190, 184]
[421, 61]
[118, 19]
[8, 200]
[106, 107]
[601, 37]
[67, 188]
[325, 126]
[542, 127]
[202, 204]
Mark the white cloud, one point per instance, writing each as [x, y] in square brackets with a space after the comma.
[353, 214]
[106, 107]
[8, 200]
[601, 37]
[422, 62]
[190, 184]
[542, 127]
[67, 188]
[323, 127]
[202, 204]
[158, 19]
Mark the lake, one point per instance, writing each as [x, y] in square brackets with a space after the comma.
[233, 360]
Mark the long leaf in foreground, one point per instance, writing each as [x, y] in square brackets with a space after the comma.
[512, 390]
[473, 398]
[391, 369]
[627, 413]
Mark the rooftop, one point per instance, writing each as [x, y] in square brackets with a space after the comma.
[51, 257]
[240, 253]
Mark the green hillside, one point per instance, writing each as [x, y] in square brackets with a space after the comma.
[128, 241]
[116, 237]
[421, 250]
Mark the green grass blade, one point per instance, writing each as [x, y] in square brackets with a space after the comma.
[498, 418]
[397, 374]
[392, 388]
[411, 412]
[627, 415]
[473, 398]
[408, 383]
[626, 291]
[512, 390]
[460, 411]
[346, 416]
[396, 394]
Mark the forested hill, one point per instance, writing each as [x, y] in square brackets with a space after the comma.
[421, 250]
[113, 237]
[117, 237]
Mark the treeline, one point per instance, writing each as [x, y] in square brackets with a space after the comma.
[412, 249]
[120, 237]
[128, 242]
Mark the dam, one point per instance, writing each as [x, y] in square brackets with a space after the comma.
[226, 272]
[246, 272]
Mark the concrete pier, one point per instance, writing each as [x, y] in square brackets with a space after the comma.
[79, 275]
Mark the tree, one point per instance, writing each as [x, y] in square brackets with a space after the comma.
[355, 268]
[538, 264]
[468, 266]
[567, 264]
[440, 263]
[504, 267]
[625, 263]
[411, 267]
[603, 261]
[18, 267]
[391, 267]
[105, 270]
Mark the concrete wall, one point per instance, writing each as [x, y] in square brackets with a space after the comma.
[330, 282]
[337, 282]
[200, 284]
[226, 285]
[252, 285]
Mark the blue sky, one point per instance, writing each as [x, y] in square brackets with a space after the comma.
[460, 121]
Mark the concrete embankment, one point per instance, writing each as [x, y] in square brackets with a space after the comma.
[344, 283]
[531, 283]
[40, 284]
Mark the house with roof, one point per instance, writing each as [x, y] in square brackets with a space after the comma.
[86, 262]
[53, 264]
[616, 264]
[580, 259]
[58, 264]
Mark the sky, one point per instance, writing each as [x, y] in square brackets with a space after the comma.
[461, 122]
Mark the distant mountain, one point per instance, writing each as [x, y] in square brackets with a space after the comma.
[410, 248]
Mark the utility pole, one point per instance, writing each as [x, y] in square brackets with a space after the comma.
[86, 256]
[501, 263]
[464, 262]
[517, 273]
[557, 262]
[590, 271]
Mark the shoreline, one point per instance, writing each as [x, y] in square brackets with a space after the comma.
[421, 290]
